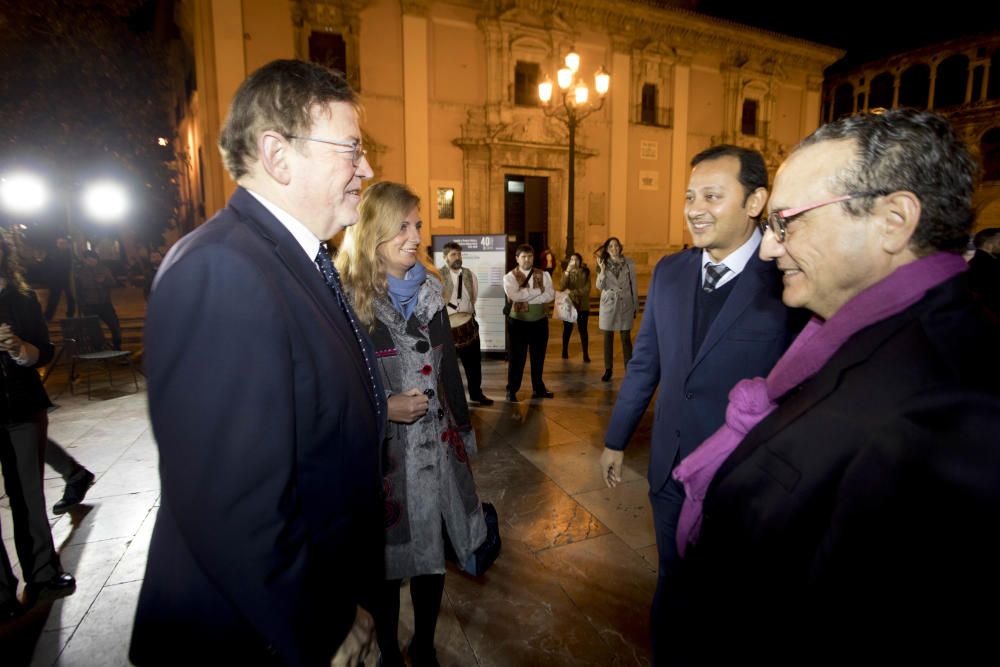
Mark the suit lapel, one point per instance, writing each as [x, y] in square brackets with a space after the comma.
[290, 253]
[748, 284]
[683, 285]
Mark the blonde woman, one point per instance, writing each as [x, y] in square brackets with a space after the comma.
[430, 494]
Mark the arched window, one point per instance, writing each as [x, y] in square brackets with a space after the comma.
[993, 86]
[915, 86]
[951, 81]
[526, 78]
[880, 91]
[843, 101]
[989, 148]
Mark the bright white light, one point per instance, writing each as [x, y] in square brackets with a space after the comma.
[162, 141]
[23, 194]
[573, 61]
[105, 201]
[564, 77]
[581, 94]
[602, 81]
[545, 91]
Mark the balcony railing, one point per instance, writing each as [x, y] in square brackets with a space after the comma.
[655, 116]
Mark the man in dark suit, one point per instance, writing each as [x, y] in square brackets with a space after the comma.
[265, 401]
[713, 317]
[857, 519]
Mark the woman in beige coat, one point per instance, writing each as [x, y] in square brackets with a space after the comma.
[619, 300]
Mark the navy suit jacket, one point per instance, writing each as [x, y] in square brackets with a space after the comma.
[270, 523]
[747, 337]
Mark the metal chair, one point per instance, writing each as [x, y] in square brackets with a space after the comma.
[84, 342]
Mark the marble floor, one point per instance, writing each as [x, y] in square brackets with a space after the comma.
[571, 587]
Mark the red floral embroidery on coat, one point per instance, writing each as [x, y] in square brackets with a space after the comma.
[457, 444]
[426, 370]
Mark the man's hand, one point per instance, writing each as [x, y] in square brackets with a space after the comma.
[611, 466]
[407, 407]
[358, 643]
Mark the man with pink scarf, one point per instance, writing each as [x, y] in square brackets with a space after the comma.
[848, 511]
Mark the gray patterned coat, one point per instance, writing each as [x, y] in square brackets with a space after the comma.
[427, 479]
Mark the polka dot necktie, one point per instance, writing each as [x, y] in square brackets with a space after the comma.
[332, 278]
[713, 274]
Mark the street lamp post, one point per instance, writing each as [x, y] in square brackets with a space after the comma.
[574, 109]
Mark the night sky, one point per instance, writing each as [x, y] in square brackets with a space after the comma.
[867, 30]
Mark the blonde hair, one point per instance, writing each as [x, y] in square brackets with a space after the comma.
[362, 269]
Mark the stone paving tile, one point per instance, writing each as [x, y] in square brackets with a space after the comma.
[625, 510]
[612, 585]
[101, 640]
[544, 516]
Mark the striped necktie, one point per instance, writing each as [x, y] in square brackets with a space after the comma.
[332, 278]
[713, 274]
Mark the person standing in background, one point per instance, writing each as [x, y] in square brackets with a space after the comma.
[93, 286]
[576, 279]
[528, 289]
[24, 347]
[619, 301]
[58, 266]
[461, 288]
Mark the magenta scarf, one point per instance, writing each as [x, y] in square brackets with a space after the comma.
[750, 401]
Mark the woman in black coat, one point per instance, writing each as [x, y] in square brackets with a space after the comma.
[25, 346]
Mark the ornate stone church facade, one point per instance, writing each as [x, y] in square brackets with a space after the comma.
[959, 79]
[449, 90]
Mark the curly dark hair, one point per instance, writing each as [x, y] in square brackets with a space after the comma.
[912, 151]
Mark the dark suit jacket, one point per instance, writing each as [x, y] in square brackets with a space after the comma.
[749, 334]
[862, 517]
[270, 523]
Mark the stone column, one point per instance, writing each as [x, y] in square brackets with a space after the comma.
[219, 30]
[416, 130]
[621, 95]
[810, 118]
[681, 93]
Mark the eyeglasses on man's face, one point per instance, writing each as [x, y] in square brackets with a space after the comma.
[778, 221]
[356, 152]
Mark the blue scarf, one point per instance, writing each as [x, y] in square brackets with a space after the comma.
[403, 292]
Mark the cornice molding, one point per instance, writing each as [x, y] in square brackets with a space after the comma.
[415, 7]
[633, 25]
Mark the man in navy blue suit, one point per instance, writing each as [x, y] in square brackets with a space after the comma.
[713, 317]
[265, 401]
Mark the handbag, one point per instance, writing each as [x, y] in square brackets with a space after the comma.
[564, 308]
[479, 560]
